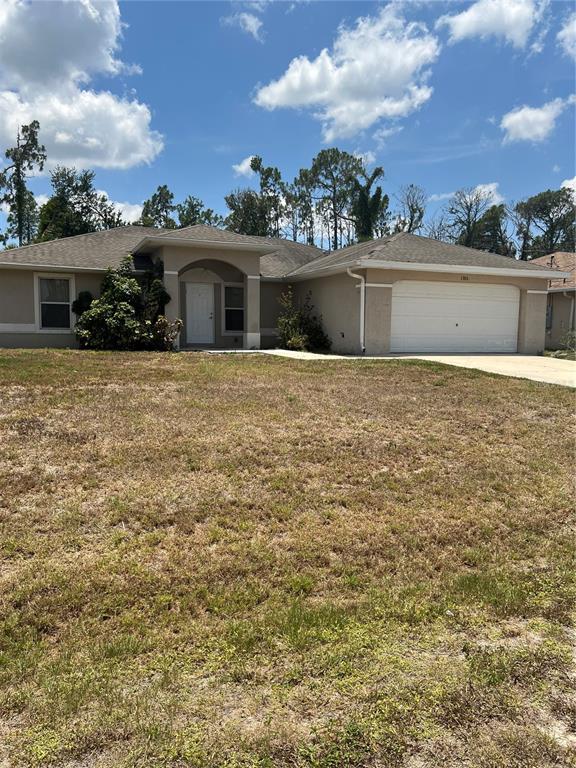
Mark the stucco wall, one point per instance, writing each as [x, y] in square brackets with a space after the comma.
[561, 319]
[38, 340]
[532, 323]
[269, 304]
[270, 308]
[178, 260]
[18, 315]
[16, 296]
[336, 299]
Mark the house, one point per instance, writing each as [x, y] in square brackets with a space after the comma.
[400, 294]
[561, 296]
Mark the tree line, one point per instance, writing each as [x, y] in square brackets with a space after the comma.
[335, 202]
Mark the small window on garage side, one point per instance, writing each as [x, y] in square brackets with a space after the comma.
[54, 302]
[233, 308]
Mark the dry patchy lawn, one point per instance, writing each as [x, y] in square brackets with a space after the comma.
[252, 562]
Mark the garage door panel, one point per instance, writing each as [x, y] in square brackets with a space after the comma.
[457, 308]
[434, 326]
[454, 317]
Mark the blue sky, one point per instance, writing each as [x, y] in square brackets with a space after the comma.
[443, 95]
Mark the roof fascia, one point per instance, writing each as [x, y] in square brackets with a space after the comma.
[185, 243]
[460, 269]
[53, 267]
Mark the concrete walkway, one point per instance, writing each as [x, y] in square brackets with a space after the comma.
[549, 370]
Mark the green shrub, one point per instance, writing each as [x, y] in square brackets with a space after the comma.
[298, 327]
[568, 349]
[82, 303]
[128, 314]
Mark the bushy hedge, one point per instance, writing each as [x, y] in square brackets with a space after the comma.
[127, 315]
[298, 327]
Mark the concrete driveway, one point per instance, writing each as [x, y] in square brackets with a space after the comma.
[546, 369]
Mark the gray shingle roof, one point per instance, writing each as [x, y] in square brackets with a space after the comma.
[204, 233]
[96, 250]
[286, 258]
[99, 250]
[409, 248]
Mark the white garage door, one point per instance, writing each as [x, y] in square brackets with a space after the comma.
[454, 317]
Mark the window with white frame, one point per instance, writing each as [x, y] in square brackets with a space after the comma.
[233, 308]
[55, 302]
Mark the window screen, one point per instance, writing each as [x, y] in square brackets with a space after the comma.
[234, 308]
[54, 302]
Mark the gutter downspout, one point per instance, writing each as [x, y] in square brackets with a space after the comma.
[362, 308]
[571, 297]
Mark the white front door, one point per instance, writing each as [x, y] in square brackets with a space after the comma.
[199, 313]
[454, 317]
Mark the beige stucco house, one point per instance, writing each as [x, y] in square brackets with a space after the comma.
[400, 294]
[561, 297]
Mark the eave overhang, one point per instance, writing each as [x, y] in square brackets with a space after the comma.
[178, 242]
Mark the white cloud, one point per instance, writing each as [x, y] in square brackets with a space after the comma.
[65, 41]
[490, 192]
[512, 20]
[48, 53]
[384, 133]
[248, 22]
[243, 167]
[567, 36]
[130, 211]
[86, 130]
[440, 196]
[556, 168]
[257, 5]
[368, 157]
[533, 123]
[41, 199]
[570, 184]
[377, 70]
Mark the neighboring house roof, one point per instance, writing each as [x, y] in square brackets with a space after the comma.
[403, 249]
[278, 258]
[100, 250]
[564, 262]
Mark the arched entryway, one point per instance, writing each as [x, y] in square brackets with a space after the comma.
[212, 304]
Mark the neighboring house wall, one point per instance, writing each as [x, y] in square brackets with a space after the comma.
[560, 318]
[20, 308]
